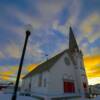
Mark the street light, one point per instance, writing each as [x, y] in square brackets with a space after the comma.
[21, 61]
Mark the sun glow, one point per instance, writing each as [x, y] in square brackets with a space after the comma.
[92, 66]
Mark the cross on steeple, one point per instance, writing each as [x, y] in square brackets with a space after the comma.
[72, 41]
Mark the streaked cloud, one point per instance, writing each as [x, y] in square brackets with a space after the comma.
[49, 9]
[12, 50]
[90, 34]
[1, 55]
[90, 22]
[5, 78]
[95, 50]
[5, 75]
[34, 50]
[94, 80]
[7, 72]
[89, 27]
[95, 60]
[73, 8]
[92, 66]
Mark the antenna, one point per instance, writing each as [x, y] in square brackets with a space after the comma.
[46, 55]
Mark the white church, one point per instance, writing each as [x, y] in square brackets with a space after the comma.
[61, 76]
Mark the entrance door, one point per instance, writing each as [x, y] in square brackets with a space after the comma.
[69, 87]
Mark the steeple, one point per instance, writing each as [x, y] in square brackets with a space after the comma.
[72, 41]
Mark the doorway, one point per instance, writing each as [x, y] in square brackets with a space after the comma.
[69, 86]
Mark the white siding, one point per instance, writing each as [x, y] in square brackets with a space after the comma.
[82, 71]
[35, 79]
[57, 75]
[25, 84]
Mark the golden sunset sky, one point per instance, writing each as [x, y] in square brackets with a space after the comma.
[92, 66]
[91, 63]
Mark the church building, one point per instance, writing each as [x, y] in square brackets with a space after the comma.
[60, 76]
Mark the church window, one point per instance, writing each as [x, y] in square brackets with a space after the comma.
[30, 84]
[40, 80]
[45, 82]
[66, 60]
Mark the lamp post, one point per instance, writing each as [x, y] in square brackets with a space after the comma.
[20, 65]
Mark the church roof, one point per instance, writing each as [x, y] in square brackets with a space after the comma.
[46, 65]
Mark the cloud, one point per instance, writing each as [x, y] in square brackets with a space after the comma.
[60, 47]
[84, 46]
[89, 27]
[5, 78]
[92, 69]
[94, 36]
[62, 28]
[34, 50]
[95, 50]
[93, 81]
[73, 8]
[2, 55]
[5, 75]
[15, 19]
[90, 51]
[90, 21]
[8, 73]
[28, 19]
[95, 60]
[13, 50]
[49, 9]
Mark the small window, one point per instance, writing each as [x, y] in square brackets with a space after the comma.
[45, 82]
[30, 84]
[40, 80]
[66, 60]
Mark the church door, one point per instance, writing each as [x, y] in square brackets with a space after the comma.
[69, 87]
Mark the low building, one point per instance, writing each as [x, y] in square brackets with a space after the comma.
[94, 89]
[60, 76]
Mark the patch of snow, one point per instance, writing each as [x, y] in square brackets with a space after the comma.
[97, 98]
[8, 97]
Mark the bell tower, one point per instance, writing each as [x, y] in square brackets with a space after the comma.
[72, 41]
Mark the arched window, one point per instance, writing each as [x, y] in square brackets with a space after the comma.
[67, 61]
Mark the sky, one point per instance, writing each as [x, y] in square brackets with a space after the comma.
[50, 20]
